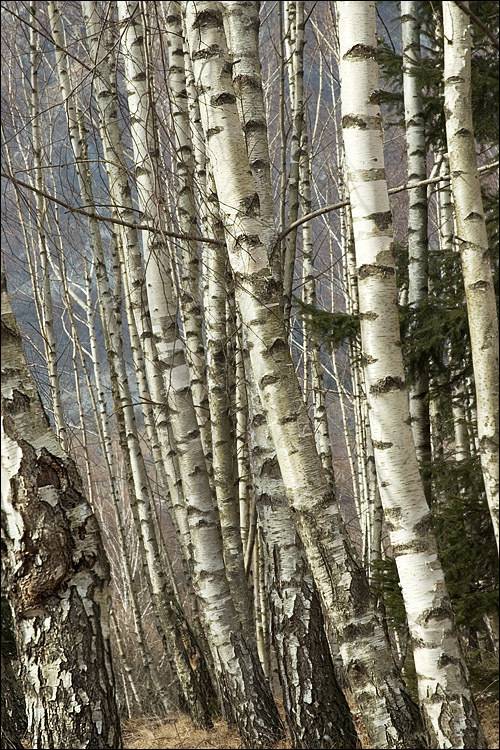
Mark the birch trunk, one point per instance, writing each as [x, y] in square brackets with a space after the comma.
[440, 667]
[316, 710]
[107, 101]
[173, 623]
[295, 54]
[189, 293]
[417, 224]
[48, 332]
[250, 240]
[241, 674]
[473, 243]
[57, 572]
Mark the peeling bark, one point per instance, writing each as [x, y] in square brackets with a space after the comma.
[56, 568]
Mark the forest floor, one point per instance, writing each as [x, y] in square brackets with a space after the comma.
[178, 732]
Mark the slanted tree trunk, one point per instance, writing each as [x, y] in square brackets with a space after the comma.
[472, 242]
[251, 238]
[440, 666]
[56, 569]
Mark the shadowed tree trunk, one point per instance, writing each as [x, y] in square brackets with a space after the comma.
[56, 571]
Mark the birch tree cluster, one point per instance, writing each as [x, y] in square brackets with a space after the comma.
[250, 370]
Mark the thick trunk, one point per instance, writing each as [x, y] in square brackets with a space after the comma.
[316, 710]
[473, 243]
[387, 710]
[440, 667]
[57, 571]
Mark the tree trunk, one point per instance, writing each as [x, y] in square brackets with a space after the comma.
[251, 240]
[57, 571]
[316, 710]
[417, 225]
[472, 241]
[240, 671]
[440, 666]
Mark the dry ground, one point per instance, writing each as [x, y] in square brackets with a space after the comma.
[180, 733]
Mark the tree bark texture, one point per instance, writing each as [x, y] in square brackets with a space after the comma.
[386, 707]
[57, 571]
[472, 242]
[445, 697]
[417, 224]
[316, 710]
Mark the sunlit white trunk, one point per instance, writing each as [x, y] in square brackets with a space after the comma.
[440, 667]
[241, 674]
[472, 241]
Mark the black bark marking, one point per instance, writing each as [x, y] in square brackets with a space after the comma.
[370, 269]
[381, 445]
[268, 380]
[387, 384]
[226, 97]
[362, 51]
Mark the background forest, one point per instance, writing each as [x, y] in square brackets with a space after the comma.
[250, 374]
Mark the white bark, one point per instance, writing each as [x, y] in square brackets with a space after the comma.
[250, 239]
[183, 154]
[241, 673]
[417, 223]
[172, 621]
[473, 243]
[440, 667]
[48, 332]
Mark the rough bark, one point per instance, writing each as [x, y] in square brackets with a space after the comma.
[316, 710]
[173, 623]
[57, 571]
[472, 242]
[240, 671]
[445, 696]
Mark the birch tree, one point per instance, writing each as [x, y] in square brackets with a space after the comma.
[251, 239]
[56, 570]
[240, 672]
[473, 243]
[417, 224]
[439, 662]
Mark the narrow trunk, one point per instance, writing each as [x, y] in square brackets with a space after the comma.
[472, 241]
[417, 225]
